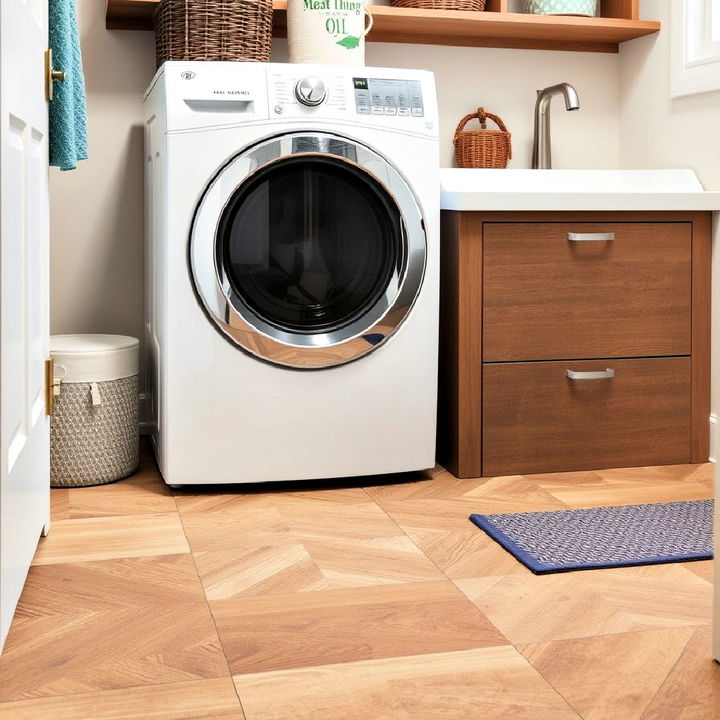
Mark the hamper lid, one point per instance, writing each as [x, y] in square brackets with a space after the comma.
[94, 358]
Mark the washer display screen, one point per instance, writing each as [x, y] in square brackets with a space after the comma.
[375, 96]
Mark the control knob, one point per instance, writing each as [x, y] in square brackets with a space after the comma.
[310, 91]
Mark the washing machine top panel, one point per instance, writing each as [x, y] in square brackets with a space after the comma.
[198, 95]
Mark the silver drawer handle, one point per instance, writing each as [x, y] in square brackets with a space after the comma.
[592, 375]
[591, 237]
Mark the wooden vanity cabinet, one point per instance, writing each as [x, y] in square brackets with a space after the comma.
[573, 341]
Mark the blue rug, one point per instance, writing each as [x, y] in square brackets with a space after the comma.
[561, 540]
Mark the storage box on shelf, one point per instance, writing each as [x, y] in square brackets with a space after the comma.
[494, 27]
[213, 30]
[533, 302]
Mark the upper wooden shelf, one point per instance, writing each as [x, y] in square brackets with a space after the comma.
[449, 27]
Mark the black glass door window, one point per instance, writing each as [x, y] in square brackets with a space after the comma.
[309, 243]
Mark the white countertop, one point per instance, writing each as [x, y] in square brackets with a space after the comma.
[586, 190]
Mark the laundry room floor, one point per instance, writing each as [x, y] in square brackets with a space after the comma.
[351, 602]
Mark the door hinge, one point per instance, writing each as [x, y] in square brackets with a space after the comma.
[49, 386]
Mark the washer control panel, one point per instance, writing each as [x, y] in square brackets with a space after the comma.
[380, 96]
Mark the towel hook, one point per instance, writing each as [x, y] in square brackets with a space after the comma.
[51, 75]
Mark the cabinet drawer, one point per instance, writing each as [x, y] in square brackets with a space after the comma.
[536, 419]
[546, 296]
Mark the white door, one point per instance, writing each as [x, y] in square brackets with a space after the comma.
[24, 307]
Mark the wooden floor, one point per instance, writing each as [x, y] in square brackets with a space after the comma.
[351, 602]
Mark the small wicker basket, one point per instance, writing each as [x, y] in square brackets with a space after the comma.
[213, 30]
[482, 148]
[474, 5]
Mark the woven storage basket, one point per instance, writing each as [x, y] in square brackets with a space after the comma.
[475, 5]
[94, 428]
[213, 30]
[482, 148]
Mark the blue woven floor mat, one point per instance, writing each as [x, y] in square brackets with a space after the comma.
[562, 540]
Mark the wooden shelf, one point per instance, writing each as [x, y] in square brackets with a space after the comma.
[450, 27]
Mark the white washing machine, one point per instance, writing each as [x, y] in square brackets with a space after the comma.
[292, 223]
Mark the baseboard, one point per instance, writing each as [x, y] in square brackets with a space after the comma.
[714, 429]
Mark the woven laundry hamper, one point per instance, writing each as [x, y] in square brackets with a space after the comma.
[94, 428]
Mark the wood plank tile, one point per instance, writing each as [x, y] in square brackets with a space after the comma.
[221, 499]
[703, 568]
[136, 495]
[251, 552]
[217, 500]
[59, 504]
[465, 553]
[330, 545]
[101, 538]
[631, 494]
[629, 486]
[646, 475]
[692, 689]
[269, 570]
[355, 545]
[610, 677]
[535, 609]
[325, 521]
[434, 483]
[195, 700]
[280, 632]
[142, 492]
[449, 511]
[373, 561]
[488, 683]
[348, 494]
[92, 626]
[246, 527]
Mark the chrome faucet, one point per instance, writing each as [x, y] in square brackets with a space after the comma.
[541, 157]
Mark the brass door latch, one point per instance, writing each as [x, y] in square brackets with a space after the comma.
[51, 75]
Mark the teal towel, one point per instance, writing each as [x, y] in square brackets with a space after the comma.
[68, 112]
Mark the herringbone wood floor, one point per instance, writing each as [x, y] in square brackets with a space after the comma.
[351, 602]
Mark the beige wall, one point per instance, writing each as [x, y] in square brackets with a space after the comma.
[657, 130]
[504, 83]
[96, 211]
[96, 229]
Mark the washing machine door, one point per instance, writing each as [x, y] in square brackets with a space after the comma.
[308, 250]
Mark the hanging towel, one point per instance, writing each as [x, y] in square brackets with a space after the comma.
[68, 114]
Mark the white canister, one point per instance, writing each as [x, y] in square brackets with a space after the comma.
[328, 32]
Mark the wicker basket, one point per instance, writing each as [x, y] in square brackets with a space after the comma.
[213, 30]
[94, 428]
[482, 148]
[475, 5]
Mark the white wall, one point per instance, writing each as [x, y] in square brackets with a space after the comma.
[658, 131]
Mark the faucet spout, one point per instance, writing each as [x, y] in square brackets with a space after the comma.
[542, 157]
